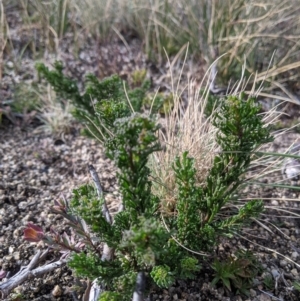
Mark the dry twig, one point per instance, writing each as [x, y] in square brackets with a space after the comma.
[28, 272]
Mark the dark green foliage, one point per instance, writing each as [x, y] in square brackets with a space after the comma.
[141, 242]
[137, 235]
[125, 283]
[113, 274]
[102, 102]
[188, 267]
[212, 103]
[110, 296]
[91, 266]
[144, 240]
[190, 206]
[130, 148]
[88, 206]
[197, 222]
[240, 126]
[296, 285]
[269, 282]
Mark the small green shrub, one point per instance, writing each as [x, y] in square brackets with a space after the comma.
[110, 296]
[212, 103]
[237, 273]
[269, 282]
[26, 98]
[161, 103]
[136, 238]
[138, 77]
[296, 285]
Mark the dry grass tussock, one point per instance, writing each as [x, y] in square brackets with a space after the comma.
[186, 128]
[240, 28]
[55, 114]
[243, 29]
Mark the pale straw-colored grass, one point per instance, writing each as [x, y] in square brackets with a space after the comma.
[54, 113]
[185, 128]
[3, 36]
[243, 29]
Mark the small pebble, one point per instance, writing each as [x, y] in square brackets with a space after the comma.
[274, 203]
[11, 249]
[16, 233]
[57, 291]
[264, 297]
[295, 255]
[294, 272]
[252, 293]
[10, 64]
[283, 263]
[16, 256]
[22, 205]
[275, 273]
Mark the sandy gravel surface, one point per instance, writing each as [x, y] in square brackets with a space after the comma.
[36, 168]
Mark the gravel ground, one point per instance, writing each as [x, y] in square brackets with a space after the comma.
[34, 171]
[36, 168]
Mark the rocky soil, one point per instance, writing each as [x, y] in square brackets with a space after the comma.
[37, 168]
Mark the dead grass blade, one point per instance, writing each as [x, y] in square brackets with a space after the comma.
[3, 36]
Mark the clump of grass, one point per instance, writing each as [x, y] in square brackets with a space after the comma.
[250, 31]
[240, 28]
[44, 24]
[26, 98]
[186, 128]
[54, 113]
[49, 20]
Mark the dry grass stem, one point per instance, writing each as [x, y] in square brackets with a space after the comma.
[185, 128]
[3, 36]
[56, 116]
